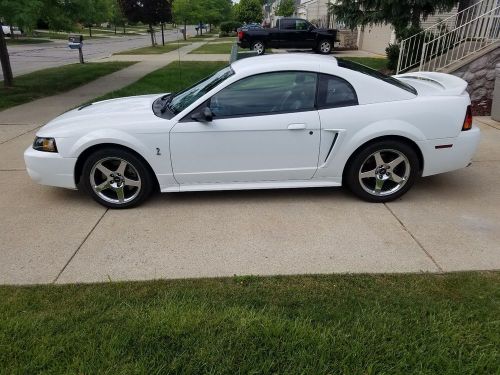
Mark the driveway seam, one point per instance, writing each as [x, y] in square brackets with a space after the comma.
[80, 246]
[416, 240]
[20, 135]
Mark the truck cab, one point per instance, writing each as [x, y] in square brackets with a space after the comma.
[288, 33]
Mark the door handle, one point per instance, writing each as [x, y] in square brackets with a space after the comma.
[296, 126]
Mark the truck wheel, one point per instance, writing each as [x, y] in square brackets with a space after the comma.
[259, 47]
[324, 47]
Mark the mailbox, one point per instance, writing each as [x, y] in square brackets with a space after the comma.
[75, 41]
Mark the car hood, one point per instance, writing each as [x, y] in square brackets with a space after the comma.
[109, 113]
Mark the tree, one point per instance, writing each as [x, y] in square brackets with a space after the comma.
[215, 11]
[150, 12]
[185, 11]
[249, 11]
[8, 79]
[91, 12]
[286, 8]
[20, 13]
[116, 16]
[399, 13]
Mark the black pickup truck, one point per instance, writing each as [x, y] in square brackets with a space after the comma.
[288, 33]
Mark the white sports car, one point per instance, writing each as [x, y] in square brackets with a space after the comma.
[278, 121]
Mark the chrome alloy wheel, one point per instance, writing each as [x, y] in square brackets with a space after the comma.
[384, 172]
[258, 47]
[325, 47]
[115, 180]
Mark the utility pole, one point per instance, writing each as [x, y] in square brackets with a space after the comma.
[8, 79]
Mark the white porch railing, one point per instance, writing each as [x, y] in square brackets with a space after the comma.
[452, 39]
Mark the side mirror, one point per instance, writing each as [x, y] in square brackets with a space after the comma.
[205, 115]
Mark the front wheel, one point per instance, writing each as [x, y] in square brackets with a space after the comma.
[259, 47]
[324, 47]
[116, 178]
[382, 171]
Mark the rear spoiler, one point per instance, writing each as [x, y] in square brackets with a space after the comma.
[450, 84]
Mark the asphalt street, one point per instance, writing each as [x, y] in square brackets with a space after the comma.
[31, 57]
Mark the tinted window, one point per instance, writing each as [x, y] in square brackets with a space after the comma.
[266, 93]
[375, 74]
[287, 24]
[301, 25]
[335, 92]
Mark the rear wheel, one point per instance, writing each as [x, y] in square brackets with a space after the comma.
[382, 171]
[259, 47]
[117, 178]
[324, 47]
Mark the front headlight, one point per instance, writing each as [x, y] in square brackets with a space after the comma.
[45, 144]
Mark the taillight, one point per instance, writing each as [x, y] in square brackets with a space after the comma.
[240, 35]
[468, 120]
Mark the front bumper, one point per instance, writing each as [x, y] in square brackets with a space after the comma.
[49, 168]
[459, 155]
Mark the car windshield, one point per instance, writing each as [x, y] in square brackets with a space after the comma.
[187, 97]
[375, 74]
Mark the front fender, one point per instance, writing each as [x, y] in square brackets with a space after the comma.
[145, 145]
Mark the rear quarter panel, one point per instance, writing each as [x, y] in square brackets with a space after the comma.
[418, 119]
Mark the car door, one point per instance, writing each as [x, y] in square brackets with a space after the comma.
[304, 37]
[287, 33]
[336, 102]
[265, 128]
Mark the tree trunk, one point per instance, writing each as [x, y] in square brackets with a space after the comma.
[162, 34]
[90, 31]
[201, 29]
[185, 29]
[152, 36]
[8, 79]
[115, 29]
[124, 30]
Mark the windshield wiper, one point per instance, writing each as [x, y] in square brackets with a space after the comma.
[168, 99]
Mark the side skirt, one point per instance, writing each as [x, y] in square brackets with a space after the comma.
[253, 185]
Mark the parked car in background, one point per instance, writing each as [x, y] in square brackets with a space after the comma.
[277, 121]
[288, 33]
[9, 31]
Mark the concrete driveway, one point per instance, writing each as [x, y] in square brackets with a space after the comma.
[449, 222]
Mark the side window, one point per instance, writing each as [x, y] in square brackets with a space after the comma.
[301, 25]
[287, 24]
[266, 94]
[335, 92]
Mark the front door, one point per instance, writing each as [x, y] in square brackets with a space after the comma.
[265, 128]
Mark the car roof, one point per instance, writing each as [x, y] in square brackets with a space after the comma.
[283, 61]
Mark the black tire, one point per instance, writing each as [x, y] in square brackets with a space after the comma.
[391, 152]
[136, 171]
[260, 51]
[320, 47]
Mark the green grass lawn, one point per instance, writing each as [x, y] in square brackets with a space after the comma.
[168, 47]
[64, 35]
[52, 81]
[224, 39]
[171, 78]
[339, 324]
[371, 62]
[18, 41]
[215, 48]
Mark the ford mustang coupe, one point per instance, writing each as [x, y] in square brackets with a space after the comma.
[278, 121]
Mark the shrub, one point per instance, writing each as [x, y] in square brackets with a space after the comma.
[229, 26]
[392, 52]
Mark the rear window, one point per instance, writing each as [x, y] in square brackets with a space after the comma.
[375, 74]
